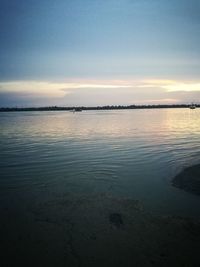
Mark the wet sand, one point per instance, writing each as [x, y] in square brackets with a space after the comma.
[98, 230]
[188, 180]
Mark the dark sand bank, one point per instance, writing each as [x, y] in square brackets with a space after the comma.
[97, 230]
[189, 179]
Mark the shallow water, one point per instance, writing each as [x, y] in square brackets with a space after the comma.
[129, 153]
[93, 188]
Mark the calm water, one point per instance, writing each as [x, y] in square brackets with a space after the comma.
[132, 153]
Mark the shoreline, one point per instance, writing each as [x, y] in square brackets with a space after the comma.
[80, 108]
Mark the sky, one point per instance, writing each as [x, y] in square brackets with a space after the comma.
[99, 52]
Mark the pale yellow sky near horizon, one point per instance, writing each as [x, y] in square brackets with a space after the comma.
[169, 91]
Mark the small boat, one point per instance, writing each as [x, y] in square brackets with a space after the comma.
[192, 106]
[76, 110]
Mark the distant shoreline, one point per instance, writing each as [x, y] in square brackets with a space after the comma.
[119, 107]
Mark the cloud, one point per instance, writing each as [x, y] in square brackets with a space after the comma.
[185, 87]
[40, 88]
[53, 88]
[99, 92]
[57, 93]
[172, 85]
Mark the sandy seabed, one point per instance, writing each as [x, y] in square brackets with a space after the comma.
[99, 230]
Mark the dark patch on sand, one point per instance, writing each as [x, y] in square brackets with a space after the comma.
[75, 231]
[116, 219]
[188, 180]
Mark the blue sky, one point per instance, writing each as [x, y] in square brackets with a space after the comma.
[97, 52]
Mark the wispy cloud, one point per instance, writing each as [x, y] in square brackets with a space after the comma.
[171, 85]
[54, 88]
[40, 88]
[185, 87]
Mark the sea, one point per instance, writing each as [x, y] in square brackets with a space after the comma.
[134, 154]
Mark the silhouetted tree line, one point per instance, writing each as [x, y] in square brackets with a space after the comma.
[56, 108]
